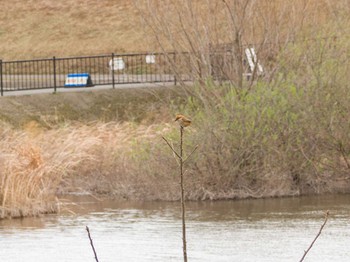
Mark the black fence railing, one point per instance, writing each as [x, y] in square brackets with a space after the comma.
[110, 69]
[116, 69]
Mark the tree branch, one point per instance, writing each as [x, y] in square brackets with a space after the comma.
[318, 234]
[91, 243]
[172, 148]
[191, 153]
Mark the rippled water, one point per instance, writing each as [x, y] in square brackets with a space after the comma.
[248, 230]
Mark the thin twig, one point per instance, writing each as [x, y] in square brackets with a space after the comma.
[191, 153]
[318, 234]
[183, 210]
[91, 243]
[172, 148]
[182, 173]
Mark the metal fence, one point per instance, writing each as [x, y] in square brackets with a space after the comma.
[113, 69]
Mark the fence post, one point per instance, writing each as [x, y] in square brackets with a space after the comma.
[112, 69]
[54, 74]
[1, 82]
[174, 68]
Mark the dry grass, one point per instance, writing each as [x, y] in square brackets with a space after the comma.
[97, 157]
[34, 164]
[144, 105]
[128, 163]
[46, 28]
[70, 142]
[131, 161]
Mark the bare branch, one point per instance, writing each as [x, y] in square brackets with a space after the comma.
[318, 234]
[191, 153]
[91, 243]
[172, 148]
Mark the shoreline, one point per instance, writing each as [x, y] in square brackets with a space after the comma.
[110, 143]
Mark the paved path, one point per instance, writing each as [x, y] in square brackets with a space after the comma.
[85, 89]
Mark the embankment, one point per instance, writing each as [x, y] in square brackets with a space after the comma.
[64, 142]
[269, 143]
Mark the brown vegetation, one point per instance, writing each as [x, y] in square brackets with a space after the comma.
[33, 167]
[258, 151]
[283, 133]
[46, 28]
[45, 139]
[221, 30]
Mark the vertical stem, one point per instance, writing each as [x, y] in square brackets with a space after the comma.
[239, 57]
[54, 74]
[91, 243]
[113, 82]
[182, 196]
[1, 82]
[175, 66]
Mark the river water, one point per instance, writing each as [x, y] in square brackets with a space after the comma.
[246, 230]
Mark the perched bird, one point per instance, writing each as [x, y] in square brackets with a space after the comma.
[182, 120]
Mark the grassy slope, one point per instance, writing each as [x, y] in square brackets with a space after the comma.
[121, 105]
[44, 28]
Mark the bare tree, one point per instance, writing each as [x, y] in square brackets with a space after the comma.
[212, 31]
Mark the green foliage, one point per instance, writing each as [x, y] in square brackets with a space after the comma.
[290, 133]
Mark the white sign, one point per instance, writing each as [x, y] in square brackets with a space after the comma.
[253, 60]
[117, 64]
[80, 79]
[150, 59]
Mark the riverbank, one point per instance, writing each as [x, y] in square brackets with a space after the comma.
[47, 139]
[110, 143]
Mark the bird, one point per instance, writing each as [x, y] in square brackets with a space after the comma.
[183, 120]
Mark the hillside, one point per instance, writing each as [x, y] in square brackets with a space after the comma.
[43, 28]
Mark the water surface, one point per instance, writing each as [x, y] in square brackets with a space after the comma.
[247, 230]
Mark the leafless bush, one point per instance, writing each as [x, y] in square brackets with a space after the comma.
[215, 34]
[290, 127]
